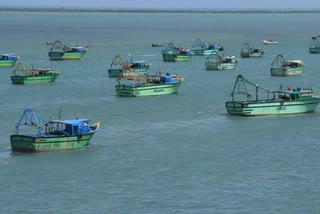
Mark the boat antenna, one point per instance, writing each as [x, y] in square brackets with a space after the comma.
[60, 109]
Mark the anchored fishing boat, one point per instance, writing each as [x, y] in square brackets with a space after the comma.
[8, 60]
[280, 102]
[58, 51]
[282, 67]
[170, 53]
[53, 135]
[248, 52]
[133, 84]
[218, 62]
[116, 66]
[156, 44]
[315, 45]
[200, 48]
[270, 42]
[23, 75]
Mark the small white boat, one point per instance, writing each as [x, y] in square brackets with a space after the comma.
[270, 42]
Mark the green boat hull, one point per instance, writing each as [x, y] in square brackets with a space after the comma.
[286, 71]
[314, 50]
[65, 56]
[149, 90]
[7, 63]
[182, 58]
[168, 57]
[221, 66]
[25, 143]
[271, 108]
[33, 79]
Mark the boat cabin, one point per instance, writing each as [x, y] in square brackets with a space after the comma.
[295, 94]
[256, 50]
[139, 65]
[161, 79]
[77, 49]
[293, 64]
[184, 52]
[68, 127]
[7, 57]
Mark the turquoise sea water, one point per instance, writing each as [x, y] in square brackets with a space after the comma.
[168, 154]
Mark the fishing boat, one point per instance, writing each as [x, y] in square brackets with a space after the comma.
[133, 84]
[200, 48]
[53, 135]
[218, 62]
[58, 51]
[248, 52]
[116, 66]
[282, 67]
[260, 101]
[269, 42]
[156, 44]
[315, 45]
[23, 75]
[170, 53]
[8, 60]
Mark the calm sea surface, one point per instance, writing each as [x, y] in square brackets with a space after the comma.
[168, 154]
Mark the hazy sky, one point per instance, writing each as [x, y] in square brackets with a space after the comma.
[196, 4]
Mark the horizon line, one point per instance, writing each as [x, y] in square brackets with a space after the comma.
[158, 10]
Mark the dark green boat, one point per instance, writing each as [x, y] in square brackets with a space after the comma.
[260, 102]
[58, 51]
[54, 135]
[170, 53]
[23, 75]
[248, 52]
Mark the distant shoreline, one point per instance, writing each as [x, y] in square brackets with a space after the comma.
[109, 10]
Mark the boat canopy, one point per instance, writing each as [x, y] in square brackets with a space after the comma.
[9, 57]
[75, 122]
[170, 79]
[138, 61]
[297, 62]
[78, 49]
